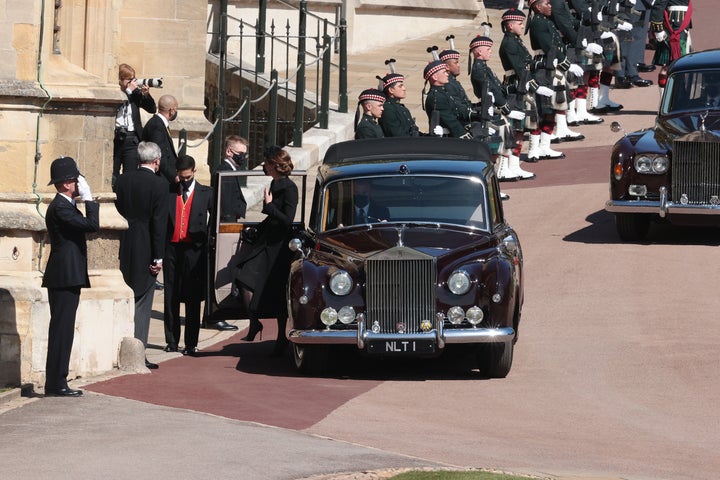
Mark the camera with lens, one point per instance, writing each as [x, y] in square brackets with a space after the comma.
[121, 133]
[150, 82]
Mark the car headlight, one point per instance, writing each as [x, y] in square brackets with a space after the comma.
[652, 164]
[459, 282]
[660, 164]
[643, 164]
[329, 316]
[475, 315]
[456, 315]
[341, 283]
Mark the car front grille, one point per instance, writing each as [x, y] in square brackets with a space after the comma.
[400, 291]
[696, 173]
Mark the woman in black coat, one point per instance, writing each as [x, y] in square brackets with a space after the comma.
[266, 265]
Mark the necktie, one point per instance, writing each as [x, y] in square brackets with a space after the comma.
[184, 193]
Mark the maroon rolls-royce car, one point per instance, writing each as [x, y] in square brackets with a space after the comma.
[407, 252]
[671, 172]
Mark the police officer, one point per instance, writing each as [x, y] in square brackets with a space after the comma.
[396, 120]
[370, 103]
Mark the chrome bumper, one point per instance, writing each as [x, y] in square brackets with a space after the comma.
[439, 335]
[661, 207]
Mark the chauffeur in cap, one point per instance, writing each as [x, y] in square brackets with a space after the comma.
[396, 120]
[66, 271]
[370, 103]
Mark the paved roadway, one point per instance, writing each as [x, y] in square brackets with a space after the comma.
[615, 373]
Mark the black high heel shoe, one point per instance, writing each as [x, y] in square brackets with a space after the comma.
[254, 329]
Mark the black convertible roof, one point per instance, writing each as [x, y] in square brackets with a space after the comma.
[406, 148]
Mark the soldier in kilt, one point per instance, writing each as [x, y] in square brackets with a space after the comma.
[670, 22]
[525, 80]
[508, 119]
[396, 120]
[370, 106]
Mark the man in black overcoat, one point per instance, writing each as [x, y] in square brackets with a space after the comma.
[157, 130]
[142, 200]
[186, 255]
[66, 270]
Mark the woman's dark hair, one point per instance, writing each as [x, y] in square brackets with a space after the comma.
[279, 158]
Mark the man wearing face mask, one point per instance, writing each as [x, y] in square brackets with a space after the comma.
[157, 130]
[185, 261]
[232, 202]
[366, 209]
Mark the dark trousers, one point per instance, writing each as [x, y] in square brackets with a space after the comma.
[125, 154]
[183, 285]
[143, 311]
[63, 309]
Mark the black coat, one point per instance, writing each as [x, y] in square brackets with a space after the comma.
[142, 200]
[232, 203]
[267, 261]
[67, 265]
[192, 274]
[156, 132]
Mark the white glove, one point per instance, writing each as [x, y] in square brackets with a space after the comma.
[593, 48]
[661, 36]
[544, 91]
[492, 97]
[84, 189]
[491, 110]
[491, 131]
[625, 27]
[605, 35]
[632, 2]
[555, 62]
[576, 70]
[438, 130]
[516, 115]
[599, 16]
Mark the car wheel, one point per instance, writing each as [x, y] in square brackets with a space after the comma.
[496, 359]
[310, 359]
[632, 227]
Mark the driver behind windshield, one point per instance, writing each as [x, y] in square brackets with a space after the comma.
[366, 208]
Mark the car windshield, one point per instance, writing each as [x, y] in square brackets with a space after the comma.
[405, 198]
[692, 91]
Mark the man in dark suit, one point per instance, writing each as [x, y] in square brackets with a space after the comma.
[186, 256]
[66, 270]
[232, 201]
[142, 200]
[128, 126]
[367, 210]
[157, 130]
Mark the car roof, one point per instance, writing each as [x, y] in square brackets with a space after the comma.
[418, 155]
[707, 59]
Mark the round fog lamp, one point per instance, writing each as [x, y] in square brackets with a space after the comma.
[475, 315]
[456, 315]
[329, 316]
[346, 315]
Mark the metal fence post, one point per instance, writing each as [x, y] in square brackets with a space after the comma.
[273, 110]
[325, 88]
[183, 142]
[214, 161]
[300, 84]
[342, 81]
[260, 38]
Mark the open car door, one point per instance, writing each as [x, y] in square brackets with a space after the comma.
[237, 213]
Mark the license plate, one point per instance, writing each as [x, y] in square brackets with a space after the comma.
[401, 347]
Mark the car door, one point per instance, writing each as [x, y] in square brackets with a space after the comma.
[237, 213]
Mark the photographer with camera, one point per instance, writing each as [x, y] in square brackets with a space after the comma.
[128, 127]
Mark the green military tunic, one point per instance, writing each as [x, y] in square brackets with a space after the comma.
[483, 77]
[457, 91]
[454, 116]
[368, 128]
[396, 120]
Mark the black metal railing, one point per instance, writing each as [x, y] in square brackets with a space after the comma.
[275, 107]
